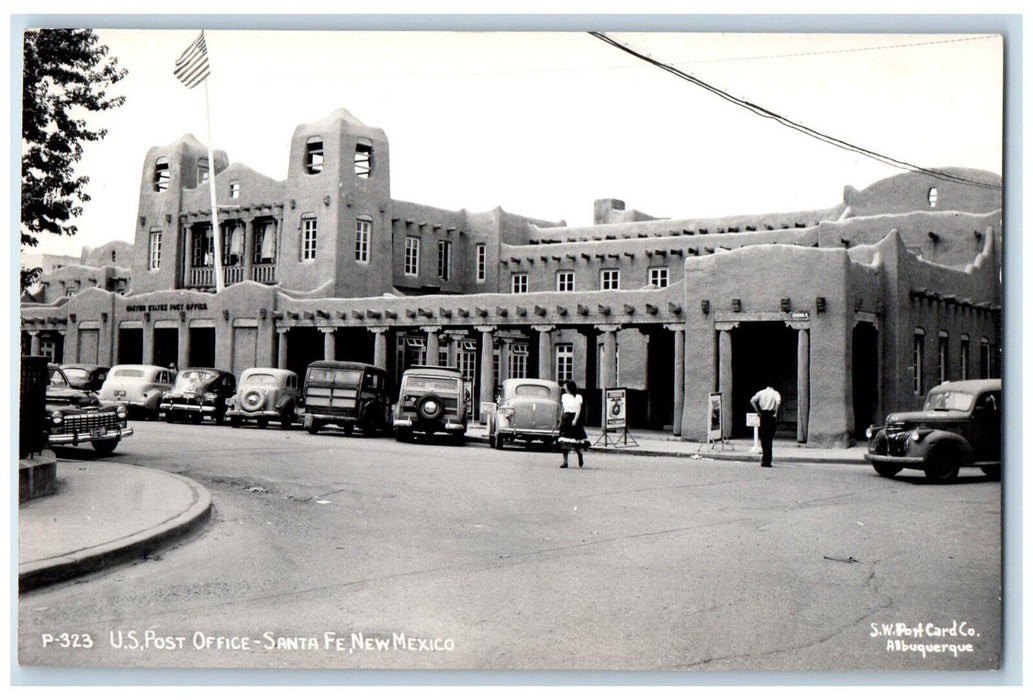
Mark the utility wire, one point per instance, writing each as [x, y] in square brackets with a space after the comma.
[785, 121]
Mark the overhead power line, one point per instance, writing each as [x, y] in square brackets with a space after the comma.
[785, 121]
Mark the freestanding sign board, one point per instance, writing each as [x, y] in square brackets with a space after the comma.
[714, 417]
[616, 409]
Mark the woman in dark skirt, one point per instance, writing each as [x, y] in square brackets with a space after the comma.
[572, 429]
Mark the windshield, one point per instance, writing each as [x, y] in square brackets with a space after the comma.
[193, 379]
[57, 378]
[265, 379]
[949, 401]
[74, 373]
[417, 383]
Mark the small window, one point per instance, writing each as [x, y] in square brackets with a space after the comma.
[202, 171]
[265, 243]
[610, 279]
[941, 357]
[964, 356]
[161, 174]
[933, 196]
[565, 281]
[362, 232]
[482, 262]
[412, 256]
[363, 158]
[154, 251]
[519, 283]
[234, 189]
[309, 231]
[658, 276]
[985, 358]
[444, 259]
[314, 155]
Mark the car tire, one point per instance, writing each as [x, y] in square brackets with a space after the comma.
[942, 467]
[234, 421]
[105, 447]
[498, 442]
[169, 418]
[263, 422]
[220, 417]
[285, 421]
[993, 472]
[348, 429]
[403, 435]
[887, 470]
[311, 425]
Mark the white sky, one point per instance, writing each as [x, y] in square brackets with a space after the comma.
[542, 124]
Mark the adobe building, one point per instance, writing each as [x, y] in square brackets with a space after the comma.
[855, 310]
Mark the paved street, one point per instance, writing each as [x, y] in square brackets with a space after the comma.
[335, 552]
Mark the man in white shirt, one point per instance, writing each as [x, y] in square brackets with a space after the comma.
[766, 402]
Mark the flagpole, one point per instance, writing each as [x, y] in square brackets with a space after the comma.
[216, 231]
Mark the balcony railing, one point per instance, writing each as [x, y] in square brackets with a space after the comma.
[205, 276]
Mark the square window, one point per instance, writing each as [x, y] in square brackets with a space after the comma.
[658, 276]
[234, 189]
[610, 279]
[519, 283]
[565, 281]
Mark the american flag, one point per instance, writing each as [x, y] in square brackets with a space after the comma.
[192, 66]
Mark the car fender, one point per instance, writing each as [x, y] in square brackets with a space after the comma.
[946, 440]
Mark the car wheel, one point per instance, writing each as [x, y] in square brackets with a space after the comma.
[263, 422]
[403, 435]
[196, 417]
[499, 442]
[993, 472]
[235, 421]
[105, 447]
[285, 421]
[348, 429]
[219, 417]
[311, 425]
[887, 470]
[169, 418]
[942, 468]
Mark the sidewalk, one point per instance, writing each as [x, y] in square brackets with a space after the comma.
[659, 444]
[103, 514]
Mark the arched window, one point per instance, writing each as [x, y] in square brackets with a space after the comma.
[933, 196]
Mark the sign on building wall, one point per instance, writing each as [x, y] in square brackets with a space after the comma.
[616, 409]
[714, 417]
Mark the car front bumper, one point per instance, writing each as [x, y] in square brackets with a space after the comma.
[203, 409]
[430, 427]
[78, 438]
[905, 462]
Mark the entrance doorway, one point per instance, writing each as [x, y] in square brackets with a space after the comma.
[659, 380]
[166, 346]
[304, 346]
[763, 351]
[130, 346]
[866, 377]
[202, 347]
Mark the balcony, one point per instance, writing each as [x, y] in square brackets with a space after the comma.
[204, 277]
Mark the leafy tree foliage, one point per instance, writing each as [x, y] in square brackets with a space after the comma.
[66, 75]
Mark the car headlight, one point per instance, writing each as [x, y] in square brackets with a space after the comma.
[121, 412]
[57, 417]
[916, 435]
[868, 433]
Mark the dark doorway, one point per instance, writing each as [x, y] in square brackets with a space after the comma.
[166, 346]
[130, 346]
[763, 351]
[354, 345]
[660, 380]
[202, 347]
[865, 377]
[304, 346]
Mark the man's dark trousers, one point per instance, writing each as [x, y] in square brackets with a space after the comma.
[767, 435]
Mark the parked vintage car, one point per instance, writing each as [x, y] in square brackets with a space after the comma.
[138, 387]
[265, 394]
[198, 392]
[346, 394]
[528, 410]
[431, 400]
[959, 426]
[76, 416]
[88, 377]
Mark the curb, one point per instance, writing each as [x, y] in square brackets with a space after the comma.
[135, 546]
[717, 456]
